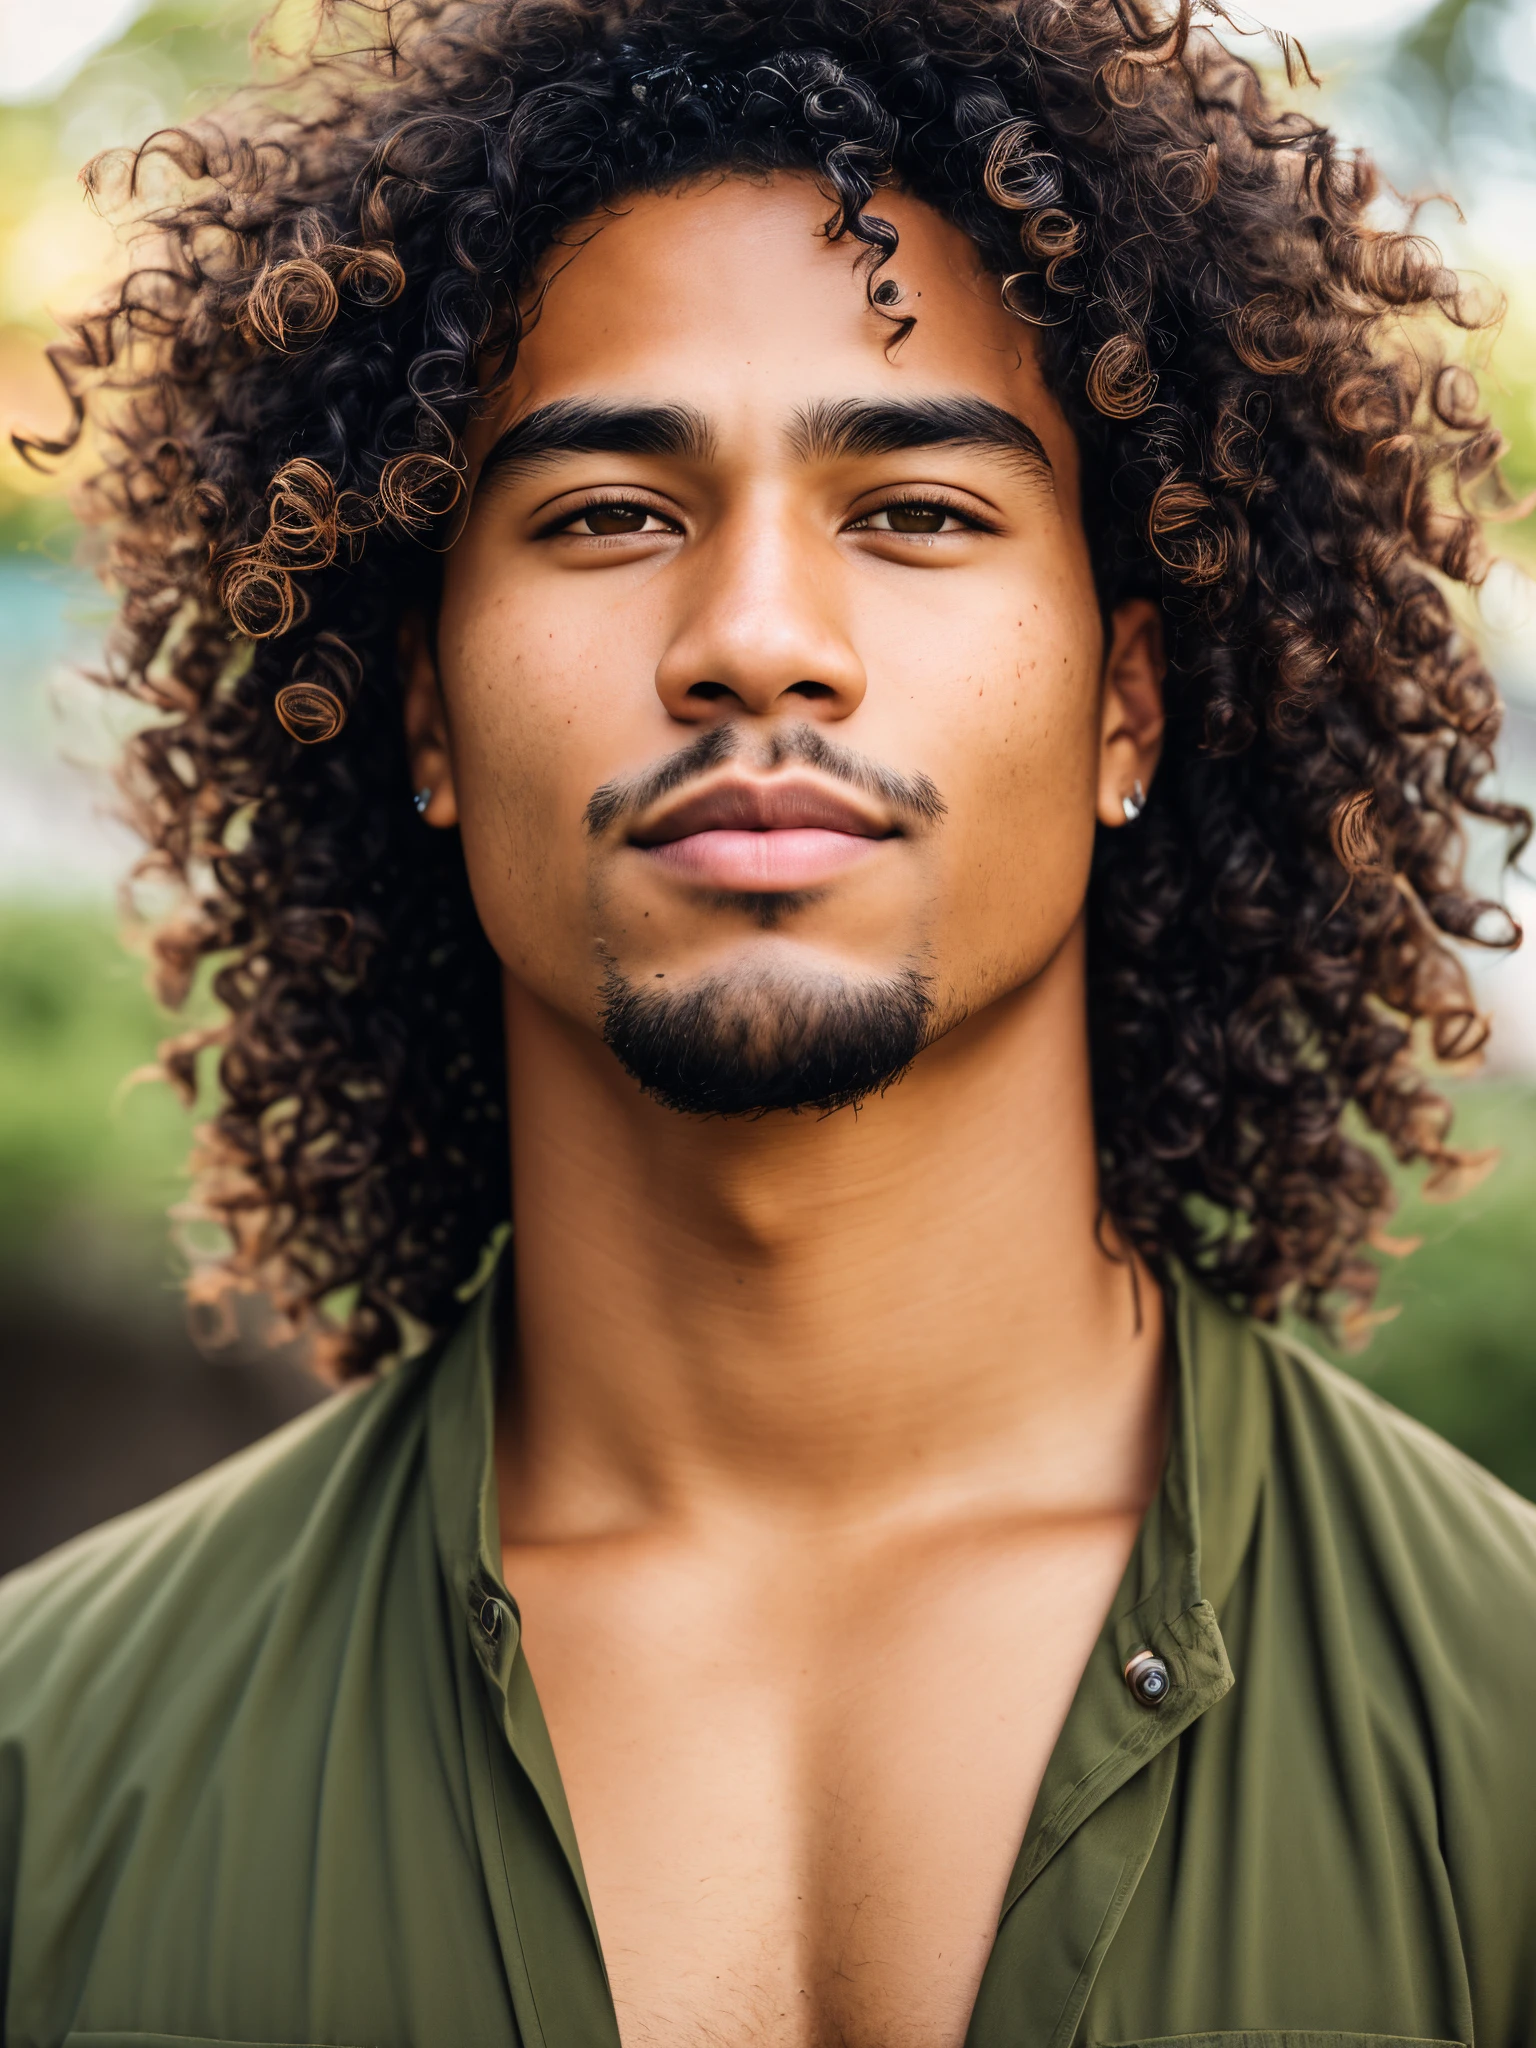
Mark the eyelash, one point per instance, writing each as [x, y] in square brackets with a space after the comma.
[608, 501]
[912, 502]
[931, 501]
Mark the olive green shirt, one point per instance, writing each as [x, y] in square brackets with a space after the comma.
[272, 1768]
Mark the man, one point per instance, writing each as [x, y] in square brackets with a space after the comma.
[908, 546]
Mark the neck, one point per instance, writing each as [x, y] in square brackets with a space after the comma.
[834, 1315]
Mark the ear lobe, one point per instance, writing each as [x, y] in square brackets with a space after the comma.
[426, 724]
[1131, 733]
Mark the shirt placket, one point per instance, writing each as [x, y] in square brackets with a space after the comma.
[1107, 1787]
[534, 1881]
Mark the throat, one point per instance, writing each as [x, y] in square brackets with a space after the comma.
[838, 1309]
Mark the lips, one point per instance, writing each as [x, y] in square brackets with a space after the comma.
[785, 833]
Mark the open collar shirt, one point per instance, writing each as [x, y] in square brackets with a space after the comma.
[273, 1770]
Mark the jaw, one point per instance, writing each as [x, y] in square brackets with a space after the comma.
[995, 1077]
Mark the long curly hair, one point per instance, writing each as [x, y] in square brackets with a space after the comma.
[1280, 449]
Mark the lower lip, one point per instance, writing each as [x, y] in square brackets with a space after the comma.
[792, 859]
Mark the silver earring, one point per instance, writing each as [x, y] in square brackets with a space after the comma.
[1134, 804]
[424, 796]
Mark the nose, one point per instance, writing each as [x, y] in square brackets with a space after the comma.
[761, 627]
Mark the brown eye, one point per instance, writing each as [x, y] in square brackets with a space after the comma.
[916, 518]
[614, 518]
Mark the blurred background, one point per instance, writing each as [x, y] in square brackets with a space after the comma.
[105, 1399]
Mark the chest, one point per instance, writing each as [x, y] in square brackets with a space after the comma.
[799, 1795]
[369, 1859]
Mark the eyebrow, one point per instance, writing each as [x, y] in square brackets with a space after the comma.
[835, 429]
[577, 426]
[828, 431]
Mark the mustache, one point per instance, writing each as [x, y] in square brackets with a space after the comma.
[914, 798]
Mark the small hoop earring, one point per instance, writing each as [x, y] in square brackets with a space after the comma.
[424, 796]
[1134, 804]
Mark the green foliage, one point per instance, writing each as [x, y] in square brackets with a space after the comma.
[1461, 1352]
[1510, 392]
[75, 1022]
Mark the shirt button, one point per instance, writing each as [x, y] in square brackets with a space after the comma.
[1147, 1677]
[490, 1620]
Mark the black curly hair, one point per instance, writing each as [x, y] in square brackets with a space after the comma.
[1277, 450]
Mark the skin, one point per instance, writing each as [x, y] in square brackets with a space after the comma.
[826, 1438]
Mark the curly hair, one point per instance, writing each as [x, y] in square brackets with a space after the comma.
[1278, 450]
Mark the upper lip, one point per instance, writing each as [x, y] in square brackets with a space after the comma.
[737, 803]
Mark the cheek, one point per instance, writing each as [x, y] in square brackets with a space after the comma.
[522, 726]
[1022, 800]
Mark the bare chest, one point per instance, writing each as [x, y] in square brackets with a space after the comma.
[799, 1795]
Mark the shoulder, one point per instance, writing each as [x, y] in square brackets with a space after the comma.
[1398, 1579]
[1339, 1458]
[159, 1600]
[1431, 1513]
[1398, 1571]
[1423, 1563]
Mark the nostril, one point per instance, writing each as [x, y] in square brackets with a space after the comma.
[708, 693]
[810, 690]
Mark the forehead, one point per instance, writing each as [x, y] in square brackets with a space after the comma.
[727, 294]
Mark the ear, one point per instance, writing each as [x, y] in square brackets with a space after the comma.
[1131, 735]
[426, 723]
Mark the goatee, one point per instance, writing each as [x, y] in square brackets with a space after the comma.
[740, 1046]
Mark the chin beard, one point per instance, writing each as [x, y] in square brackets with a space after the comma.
[735, 1045]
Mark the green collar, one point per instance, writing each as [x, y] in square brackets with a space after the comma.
[1186, 1557]
[461, 1456]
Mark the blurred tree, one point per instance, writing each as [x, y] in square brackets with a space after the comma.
[55, 252]
[1448, 106]
[1463, 69]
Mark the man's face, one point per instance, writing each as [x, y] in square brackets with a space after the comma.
[769, 686]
